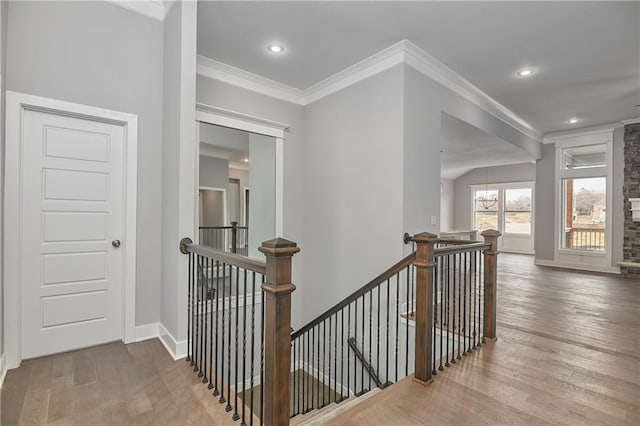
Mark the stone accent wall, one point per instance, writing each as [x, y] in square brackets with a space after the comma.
[631, 249]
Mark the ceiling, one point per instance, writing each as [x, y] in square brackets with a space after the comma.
[586, 56]
[223, 142]
[465, 147]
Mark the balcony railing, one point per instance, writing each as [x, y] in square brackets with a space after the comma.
[232, 239]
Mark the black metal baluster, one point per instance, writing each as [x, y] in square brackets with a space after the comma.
[216, 392]
[210, 295]
[475, 290]
[324, 353]
[370, 327]
[262, 354]
[397, 322]
[244, 346]
[329, 356]
[453, 328]
[190, 284]
[464, 303]
[362, 345]
[309, 390]
[441, 267]
[448, 310]
[313, 385]
[469, 315]
[460, 301]
[386, 374]
[253, 310]
[335, 361]
[205, 277]
[341, 353]
[222, 400]
[348, 351]
[200, 315]
[406, 353]
[236, 416]
[434, 307]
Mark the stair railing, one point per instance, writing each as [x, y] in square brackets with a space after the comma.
[238, 328]
[234, 238]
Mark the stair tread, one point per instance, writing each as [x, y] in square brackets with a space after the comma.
[322, 415]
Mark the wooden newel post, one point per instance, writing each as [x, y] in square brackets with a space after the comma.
[277, 330]
[490, 283]
[234, 237]
[424, 305]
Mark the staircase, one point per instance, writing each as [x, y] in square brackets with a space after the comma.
[323, 415]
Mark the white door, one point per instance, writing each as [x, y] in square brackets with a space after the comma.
[72, 219]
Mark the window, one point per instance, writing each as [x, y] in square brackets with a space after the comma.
[584, 204]
[583, 174]
[486, 209]
[517, 211]
[504, 207]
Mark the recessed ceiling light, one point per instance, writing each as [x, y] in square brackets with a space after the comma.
[275, 48]
[573, 120]
[526, 72]
[246, 160]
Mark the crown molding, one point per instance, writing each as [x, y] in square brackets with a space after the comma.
[631, 121]
[429, 66]
[368, 67]
[207, 150]
[605, 130]
[220, 71]
[403, 52]
[156, 9]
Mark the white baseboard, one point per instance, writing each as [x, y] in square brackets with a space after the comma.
[147, 331]
[577, 267]
[3, 369]
[177, 349]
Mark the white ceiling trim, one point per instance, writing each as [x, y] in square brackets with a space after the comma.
[156, 9]
[207, 150]
[429, 66]
[220, 71]
[606, 129]
[399, 53]
[631, 121]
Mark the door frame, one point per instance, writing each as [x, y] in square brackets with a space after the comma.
[16, 104]
[236, 120]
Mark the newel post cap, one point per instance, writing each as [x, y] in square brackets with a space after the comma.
[424, 238]
[279, 246]
[491, 233]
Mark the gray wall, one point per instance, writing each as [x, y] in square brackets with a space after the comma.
[545, 203]
[262, 203]
[212, 204]
[353, 196]
[525, 172]
[232, 98]
[178, 156]
[4, 6]
[214, 172]
[102, 55]
[447, 203]
[426, 100]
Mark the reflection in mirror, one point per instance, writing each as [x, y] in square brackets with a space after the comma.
[233, 164]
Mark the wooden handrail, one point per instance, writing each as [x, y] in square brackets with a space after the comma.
[221, 227]
[228, 258]
[455, 241]
[408, 260]
[463, 248]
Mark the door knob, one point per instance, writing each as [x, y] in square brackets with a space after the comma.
[115, 243]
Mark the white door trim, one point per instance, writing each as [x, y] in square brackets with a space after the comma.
[16, 104]
[221, 117]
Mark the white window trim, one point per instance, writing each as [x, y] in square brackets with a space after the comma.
[501, 187]
[16, 104]
[600, 137]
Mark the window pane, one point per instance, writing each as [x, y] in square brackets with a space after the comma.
[582, 157]
[517, 199]
[584, 202]
[486, 220]
[517, 223]
[486, 200]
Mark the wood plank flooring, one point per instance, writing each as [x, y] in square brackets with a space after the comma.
[567, 353]
[113, 384]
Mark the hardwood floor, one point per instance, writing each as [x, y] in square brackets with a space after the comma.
[114, 384]
[567, 353]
